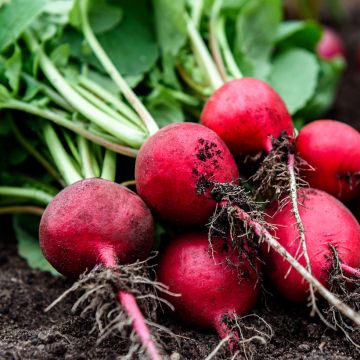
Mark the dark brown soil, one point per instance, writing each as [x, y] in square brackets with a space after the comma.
[26, 332]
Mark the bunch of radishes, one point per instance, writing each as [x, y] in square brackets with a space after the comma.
[188, 176]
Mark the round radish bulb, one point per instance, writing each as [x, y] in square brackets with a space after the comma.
[210, 287]
[93, 218]
[173, 170]
[332, 148]
[330, 45]
[246, 113]
[327, 222]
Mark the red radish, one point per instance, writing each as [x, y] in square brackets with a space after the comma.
[330, 45]
[211, 284]
[326, 222]
[246, 114]
[173, 170]
[95, 221]
[332, 148]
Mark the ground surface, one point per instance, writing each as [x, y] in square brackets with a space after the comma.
[26, 332]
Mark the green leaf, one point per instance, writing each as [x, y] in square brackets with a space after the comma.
[330, 73]
[131, 45]
[294, 76]
[102, 15]
[170, 25]
[13, 67]
[4, 94]
[255, 33]
[16, 16]
[164, 107]
[60, 55]
[171, 33]
[301, 34]
[26, 229]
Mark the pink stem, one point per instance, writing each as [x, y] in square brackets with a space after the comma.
[350, 270]
[128, 302]
[223, 331]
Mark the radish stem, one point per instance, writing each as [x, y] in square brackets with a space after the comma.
[29, 194]
[62, 160]
[128, 302]
[68, 124]
[22, 209]
[128, 134]
[113, 72]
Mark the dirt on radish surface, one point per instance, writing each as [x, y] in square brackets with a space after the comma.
[27, 332]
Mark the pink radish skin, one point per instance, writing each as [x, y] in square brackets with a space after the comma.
[246, 113]
[333, 150]
[97, 221]
[327, 222]
[91, 217]
[208, 289]
[330, 45]
[171, 166]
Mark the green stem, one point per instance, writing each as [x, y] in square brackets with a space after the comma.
[38, 196]
[53, 95]
[113, 72]
[109, 98]
[228, 55]
[213, 40]
[74, 150]
[68, 124]
[22, 209]
[36, 154]
[203, 57]
[196, 12]
[61, 158]
[103, 106]
[128, 134]
[194, 86]
[86, 160]
[109, 166]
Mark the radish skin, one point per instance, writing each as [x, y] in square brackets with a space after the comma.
[209, 285]
[332, 149]
[174, 169]
[330, 45]
[246, 114]
[326, 222]
[97, 221]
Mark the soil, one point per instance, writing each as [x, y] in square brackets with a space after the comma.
[28, 333]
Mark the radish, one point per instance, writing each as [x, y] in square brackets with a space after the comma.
[333, 150]
[327, 222]
[95, 221]
[175, 168]
[213, 284]
[247, 113]
[330, 45]
[177, 171]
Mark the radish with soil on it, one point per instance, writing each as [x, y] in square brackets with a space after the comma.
[96, 221]
[332, 149]
[247, 114]
[175, 168]
[328, 226]
[170, 157]
[330, 45]
[215, 284]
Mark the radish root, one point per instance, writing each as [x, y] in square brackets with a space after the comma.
[255, 226]
[346, 284]
[116, 298]
[241, 333]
